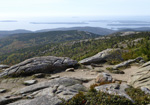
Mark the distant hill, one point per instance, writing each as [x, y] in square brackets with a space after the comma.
[6, 33]
[95, 30]
[19, 41]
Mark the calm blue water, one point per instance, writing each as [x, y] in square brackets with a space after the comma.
[57, 22]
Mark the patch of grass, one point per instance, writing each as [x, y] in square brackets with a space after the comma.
[109, 68]
[124, 67]
[99, 84]
[117, 71]
[113, 62]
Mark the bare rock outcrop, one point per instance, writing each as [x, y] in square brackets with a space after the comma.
[146, 64]
[142, 77]
[127, 63]
[103, 56]
[3, 66]
[104, 78]
[45, 64]
[46, 93]
[145, 90]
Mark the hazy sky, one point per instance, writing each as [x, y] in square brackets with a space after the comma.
[35, 8]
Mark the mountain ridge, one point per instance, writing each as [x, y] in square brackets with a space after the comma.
[95, 30]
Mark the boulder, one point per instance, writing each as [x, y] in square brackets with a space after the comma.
[45, 64]
[39, 75]
[142, 77]
[103, 56]
[49, 92]
[104, 78]
[29, 82]
[70, 70]
[126, 63]
[54, 76]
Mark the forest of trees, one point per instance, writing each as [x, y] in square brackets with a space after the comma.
[81, 49]
[20, 41]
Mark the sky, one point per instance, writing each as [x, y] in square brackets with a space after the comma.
[21, 14]
[73, 8]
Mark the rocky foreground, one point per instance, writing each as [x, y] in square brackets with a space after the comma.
[51, 80]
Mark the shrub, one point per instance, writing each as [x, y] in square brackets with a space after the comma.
[109, 68]
[92, 97]
[113, 62]
[78, 99]
[138, 96]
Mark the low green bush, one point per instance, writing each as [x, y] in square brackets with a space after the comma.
[92, 97]
[138, 96]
